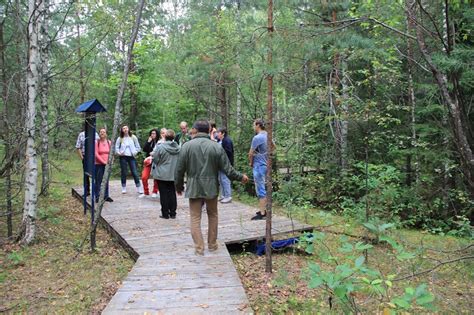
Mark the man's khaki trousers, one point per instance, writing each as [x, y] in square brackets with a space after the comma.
[195, 206]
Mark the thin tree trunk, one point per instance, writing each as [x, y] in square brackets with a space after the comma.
[82, 91]
[455, 113]
[6, 135]
[268, 230]
[20, 81]
[133, 98]
[339, 106]
[117, 121]
[238, 104]
[28, 228]
[344, 115]
[44, 112]
[412, 104]
[222, 100]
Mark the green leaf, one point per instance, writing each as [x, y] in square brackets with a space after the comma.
[386, 226]
[310, 248]
[340, 291]
[377, 281]
[315, 268]
[405, 256]
[425, 299]
[361, 246]
[401, 303]
[421, 290]
[364, 279]
[359, 261]
[343, 270]
[369, 226]
[346, 248]
[315, 282]
[410, 291]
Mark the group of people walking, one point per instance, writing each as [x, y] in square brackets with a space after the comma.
[203, 155]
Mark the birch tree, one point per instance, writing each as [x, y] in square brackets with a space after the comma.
[117, 121]
[44, 86]
[28, 226]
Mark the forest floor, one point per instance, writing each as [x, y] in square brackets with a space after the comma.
[53, 275]
[287, 288]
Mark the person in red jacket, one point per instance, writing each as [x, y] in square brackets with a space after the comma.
[102, 151]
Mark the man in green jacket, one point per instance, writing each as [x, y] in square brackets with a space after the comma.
[202, 159]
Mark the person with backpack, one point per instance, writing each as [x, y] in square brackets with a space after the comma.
[127, 148]
[165, 157]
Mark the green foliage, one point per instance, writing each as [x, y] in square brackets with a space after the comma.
[16, 258]
[415, 297]
[50, 214]
[342, 279]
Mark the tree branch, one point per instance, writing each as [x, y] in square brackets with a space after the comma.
[442, 263]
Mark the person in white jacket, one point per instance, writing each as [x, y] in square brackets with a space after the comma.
[127, 147]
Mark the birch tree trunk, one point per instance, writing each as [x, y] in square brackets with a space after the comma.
[411, 104]
[28, 226]
[339, 105]
[44, 112]
[117, 121]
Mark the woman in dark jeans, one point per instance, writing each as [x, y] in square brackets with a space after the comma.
[127, 147]
[102, 151]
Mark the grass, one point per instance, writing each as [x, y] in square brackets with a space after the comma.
[287, 290]
[54, 275]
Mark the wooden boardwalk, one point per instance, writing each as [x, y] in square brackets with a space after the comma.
[168, 278]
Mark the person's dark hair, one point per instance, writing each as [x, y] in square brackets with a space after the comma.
[169, 135]
[213, 124]
[121, 131]
[223, 130]
[201, 126]
[259, 122]
[156, 131]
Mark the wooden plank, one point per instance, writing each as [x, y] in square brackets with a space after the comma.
[192, 298]
[168, 278]
[202, 309]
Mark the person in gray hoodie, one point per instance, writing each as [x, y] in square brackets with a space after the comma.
[165, 158]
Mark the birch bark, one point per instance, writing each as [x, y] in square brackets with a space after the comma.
[28, 227]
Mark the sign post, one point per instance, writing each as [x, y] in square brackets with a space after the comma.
[90, 108]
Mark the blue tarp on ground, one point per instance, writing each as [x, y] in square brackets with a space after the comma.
[277, 245]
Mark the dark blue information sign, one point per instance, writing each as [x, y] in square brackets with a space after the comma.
[90, 108]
